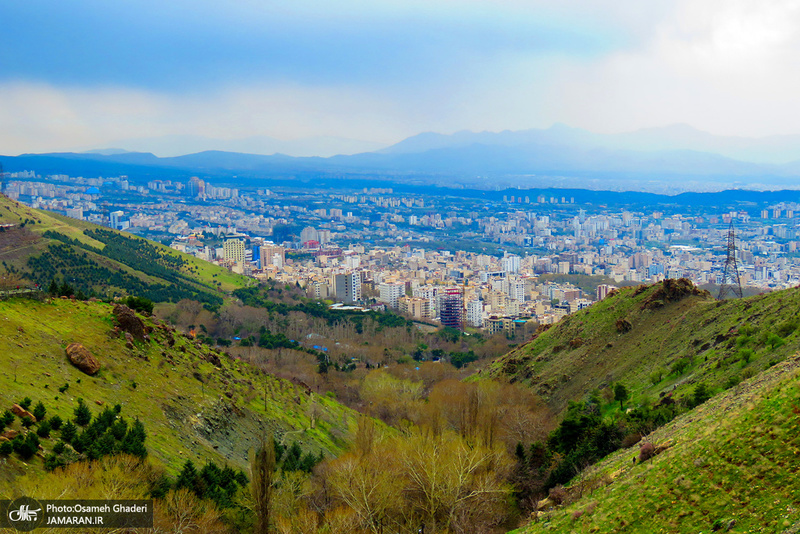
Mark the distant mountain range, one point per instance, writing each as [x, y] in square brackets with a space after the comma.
[176, 145]
[665, 160]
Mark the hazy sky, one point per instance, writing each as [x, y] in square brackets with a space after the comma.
[88, 72]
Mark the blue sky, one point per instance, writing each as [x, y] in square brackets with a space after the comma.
[91, 73]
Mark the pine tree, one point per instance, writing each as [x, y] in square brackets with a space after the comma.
[187, 476]
[39, 411]
[83, 415]
[68, 432]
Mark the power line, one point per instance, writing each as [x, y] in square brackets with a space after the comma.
[730, 275]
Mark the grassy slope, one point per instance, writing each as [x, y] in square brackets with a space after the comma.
[696, 327]
[235, 402]
[205, 273]
[736, 457]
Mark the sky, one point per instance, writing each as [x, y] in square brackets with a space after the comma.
[93, 73]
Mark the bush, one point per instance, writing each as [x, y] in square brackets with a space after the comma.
[732, 381]
[787, 328]
[774, 341]
[745, 355]
[680, 366]
[26, 402]
[558, 494]
[646, 451]
[140, 304]
[59, 447]
[6, 448]
[657, 375]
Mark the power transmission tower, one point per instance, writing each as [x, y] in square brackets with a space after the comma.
[730, 275]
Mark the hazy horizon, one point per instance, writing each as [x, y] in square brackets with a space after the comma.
[93, 74]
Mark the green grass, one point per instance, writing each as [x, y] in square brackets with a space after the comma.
[696, 328]
[734, 458]
[199, 274]
[237, 402]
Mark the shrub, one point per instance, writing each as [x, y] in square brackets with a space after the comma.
[63, 388]
[558, 494]
[774, 341]
[745, 355]
[26, 402]
[732, 381]
[680, 366]
[786, 328]
[140, 304]
[646, 451]
[657, 375]
[59, 447]
[6, 448]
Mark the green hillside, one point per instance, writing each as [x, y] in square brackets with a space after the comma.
[41, 246]
[657, 340]
[196, 403]
[728, 465]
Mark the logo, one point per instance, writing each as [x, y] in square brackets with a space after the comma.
[25, 514]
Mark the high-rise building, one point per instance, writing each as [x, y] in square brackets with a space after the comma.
[309, 233]
[516, 290]
[390, 293]
[475, 313]
[233, 249]
[272, 255]
[347, 287]
[510, 263]
[118, 220]
[196, 187]
[451, 308]
[603, 290]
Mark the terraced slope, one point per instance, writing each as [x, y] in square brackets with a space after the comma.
[195, 402]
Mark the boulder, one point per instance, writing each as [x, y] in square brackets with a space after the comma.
[81, 358]
[128, 321]
[128, 340]
[9, 434]
[19, 411]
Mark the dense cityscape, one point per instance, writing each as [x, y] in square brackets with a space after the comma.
[464, 262]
